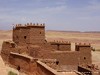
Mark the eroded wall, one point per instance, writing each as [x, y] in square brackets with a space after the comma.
[26, 63]
[85, 54]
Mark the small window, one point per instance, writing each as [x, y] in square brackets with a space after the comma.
[84, 58]
[18, 68]
[40, 32]
[25, 37]
[45, 40]
[57, 62]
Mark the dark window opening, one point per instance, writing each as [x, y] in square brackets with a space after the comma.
[25, 37]
[13, 45]
[58, 47]
[18, 68]
[57, 62]
[40, 32]
[45, 40]
[84, 58]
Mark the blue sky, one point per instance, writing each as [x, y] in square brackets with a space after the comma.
[76, 15]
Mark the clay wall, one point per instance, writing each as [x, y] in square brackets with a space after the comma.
[29, 34]
[85, 53]
[21, 35]
[43, 69]
[64, 57]
[39, 52]
[37, 35]
[61, 46]
[26, 63]
[7, 47]
[66, 47]
[67, 58]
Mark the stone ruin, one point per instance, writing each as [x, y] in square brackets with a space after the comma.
[30, 52]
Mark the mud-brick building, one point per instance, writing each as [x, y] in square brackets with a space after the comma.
[29, 41]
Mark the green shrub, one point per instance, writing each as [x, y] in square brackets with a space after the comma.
[11, 73]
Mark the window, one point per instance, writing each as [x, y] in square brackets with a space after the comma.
[57, 62]
[84, 58]
[18, 68]
[25, 37]
[40, 32]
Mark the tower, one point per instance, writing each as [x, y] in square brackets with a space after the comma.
[29, 34]
[84, 53]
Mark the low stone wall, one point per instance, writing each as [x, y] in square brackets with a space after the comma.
[43, 69]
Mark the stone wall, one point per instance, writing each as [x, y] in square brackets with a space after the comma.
[85, 53]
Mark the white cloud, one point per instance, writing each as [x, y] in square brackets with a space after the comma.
[57, 17]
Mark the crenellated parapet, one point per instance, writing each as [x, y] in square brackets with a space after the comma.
[83, 47]
[29, 25]
[57, 42]
[83, 44]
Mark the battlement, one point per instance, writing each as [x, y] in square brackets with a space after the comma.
[83, 44]
[55, 42]
[83, 47]
[29, 25]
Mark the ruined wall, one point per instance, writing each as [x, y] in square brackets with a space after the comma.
[61, 46]
[85, 53]
[43, 69]
[7, 47]
[26, 63]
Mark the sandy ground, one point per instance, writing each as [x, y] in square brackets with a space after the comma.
[3, 70]
[93, 38]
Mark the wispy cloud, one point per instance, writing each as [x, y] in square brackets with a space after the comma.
[57, 14]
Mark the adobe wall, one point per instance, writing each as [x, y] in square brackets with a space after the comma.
[26, 63]
[37, 35]
[21, 35]
[66, 58]
[44, 69]
[7, 47]
[29, 34]
[85, 53]
[40, 50]
[61, 46]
